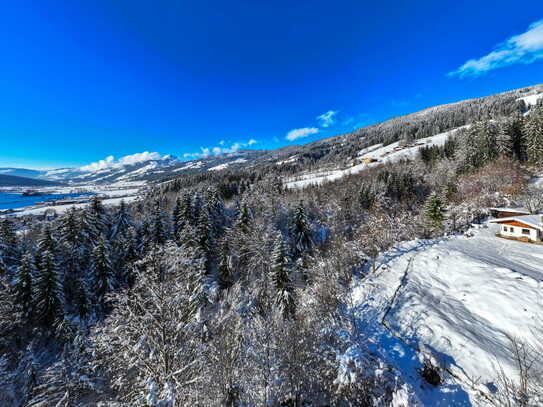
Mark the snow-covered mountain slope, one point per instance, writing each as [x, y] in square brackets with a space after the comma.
[459, 300]
[390, 153]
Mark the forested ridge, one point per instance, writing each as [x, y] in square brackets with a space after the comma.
[227, 289]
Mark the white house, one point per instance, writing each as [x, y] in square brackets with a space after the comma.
[524, 227]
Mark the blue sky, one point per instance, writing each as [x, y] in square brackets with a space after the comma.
[82, 81]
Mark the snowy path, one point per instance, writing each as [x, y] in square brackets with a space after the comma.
[460, 300]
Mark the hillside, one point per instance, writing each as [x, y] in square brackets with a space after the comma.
[11, 180]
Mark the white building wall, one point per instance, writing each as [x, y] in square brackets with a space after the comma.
[517, 232]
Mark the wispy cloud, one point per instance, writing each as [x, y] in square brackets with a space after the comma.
[220, 149]
[327, 119]
[301, 133]
[110, 162]
[523, 48]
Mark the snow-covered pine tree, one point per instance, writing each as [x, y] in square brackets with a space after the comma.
[22, 285]
[80, 297]
[48, 294]
[244, 218]
[435, 210]
[367, 196]
[176, 216]
[127, 254]
[505, 138]
[9, 253]
[224, 269]
[487, 140]
[122, 221]
[72, 254]
[300, 231]
[99, 215]
[67, 381]
[102, 276]
[203, 236]
[284, 290]
[94, 223]
[533, 130]
[469, 153]
[45, 243]
[158, 232]
[215, 207]
[516, 125]
[183, 216]
[143, 237]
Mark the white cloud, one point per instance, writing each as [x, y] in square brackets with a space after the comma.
[220, 149]
[327, 119]
[301, 133]
[110, 162]
[524, 48]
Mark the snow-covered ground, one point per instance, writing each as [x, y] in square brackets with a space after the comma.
[532, 99]
[389, 153]
[226, 165]
[459, 298]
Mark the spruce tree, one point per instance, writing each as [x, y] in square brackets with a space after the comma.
[215, 208]
[98, 215]
[94, 223]
[284, 292]
[80, 300]
[244, 218]
[121, 222]
[22, 286]
[367, 196]
[48, 292]
[487, 141]
[176, 217]
[46, 243]
[183, 216]
[224, 270]
[9, 253]
[435, 210]
[533, 130]
[300, 231]
[158, 233]
[143, 236]
[102, 278]
[504, 138]
[196, 277]
[70, 241]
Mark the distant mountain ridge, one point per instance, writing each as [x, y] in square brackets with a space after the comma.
[22, 172]
[15, 181]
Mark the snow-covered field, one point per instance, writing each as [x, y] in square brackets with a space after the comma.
[459, 299]
[389, 153]
[532, 99]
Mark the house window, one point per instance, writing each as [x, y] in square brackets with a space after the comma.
[511, 229]
[525, 231]
[505, 229]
